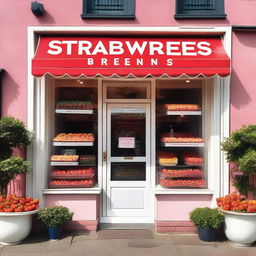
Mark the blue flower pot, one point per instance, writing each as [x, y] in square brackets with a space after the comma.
[207, 234]
[54, 232]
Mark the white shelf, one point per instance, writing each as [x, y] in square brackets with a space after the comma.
[72, 191]
[72, 144]
[195, 191]
[200, 144]
[64, 163]
[184, 113]
[74, 111]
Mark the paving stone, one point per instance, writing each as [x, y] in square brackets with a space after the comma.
[89, 245]
[84, 236]
[190, 239]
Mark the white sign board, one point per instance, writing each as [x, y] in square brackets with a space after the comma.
[126, 142]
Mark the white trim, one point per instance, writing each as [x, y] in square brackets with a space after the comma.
[225, 128]
[127, 220]
[30, 110]
[33, 188]
[166, 191]
[153, 149]
[130, 30]
[74, 191]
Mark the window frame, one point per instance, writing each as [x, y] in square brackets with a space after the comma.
[217, 13]
[128, 13]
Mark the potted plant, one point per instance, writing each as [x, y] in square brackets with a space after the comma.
[12, 134]
[53, 218]
[208, 221]
[240, 214]
[15, 212]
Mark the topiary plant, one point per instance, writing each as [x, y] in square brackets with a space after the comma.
[240, 148]
[12, 134]
[54, 216]
[206, 218]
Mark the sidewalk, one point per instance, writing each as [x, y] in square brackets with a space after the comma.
[133, 242]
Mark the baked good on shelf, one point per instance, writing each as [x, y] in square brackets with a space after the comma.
[195, 183]
[167, 158]
[186, 173]
[87, 159]
[74, 137]
[72, 104]
[192, 158]
[73, 172]
[72, 183]
[182, 107]
[64, 158]
[180, 138]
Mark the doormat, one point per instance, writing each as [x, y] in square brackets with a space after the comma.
[125, 234]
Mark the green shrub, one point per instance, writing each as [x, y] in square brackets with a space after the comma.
[54, 216]
[12, 134]
[206, 218]
[240, 148]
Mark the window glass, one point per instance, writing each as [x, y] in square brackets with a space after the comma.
[180, 147]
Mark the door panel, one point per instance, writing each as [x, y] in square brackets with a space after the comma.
[128, 160]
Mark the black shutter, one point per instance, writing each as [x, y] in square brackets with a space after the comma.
[107, 5]
[108, 9]
[200, 9]
[199, 4]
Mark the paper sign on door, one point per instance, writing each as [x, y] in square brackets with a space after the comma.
[126, 142]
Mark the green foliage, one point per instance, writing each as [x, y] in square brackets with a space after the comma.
[206, 218]
[54, 216]
[9, 168]
[240, 148]
[247, 162]
[241, 183]
[12, 134]
[240, 143]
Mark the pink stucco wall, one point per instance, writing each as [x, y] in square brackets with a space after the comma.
[177, 207]
[243, 89]
[85, 207]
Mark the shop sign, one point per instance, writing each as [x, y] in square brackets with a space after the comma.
[94, 55]
[126, 142]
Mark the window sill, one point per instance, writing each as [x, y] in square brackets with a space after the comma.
[200, 16]
[73, 191]
[97, 16]
[166, 191]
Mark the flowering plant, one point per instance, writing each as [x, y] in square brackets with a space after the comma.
[235, 202]
[13, 203]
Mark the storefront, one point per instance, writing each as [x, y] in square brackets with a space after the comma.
[128, 122]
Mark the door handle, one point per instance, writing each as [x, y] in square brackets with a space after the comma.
[104, 156]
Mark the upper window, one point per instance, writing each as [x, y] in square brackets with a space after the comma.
[200, 9]
[108, 9]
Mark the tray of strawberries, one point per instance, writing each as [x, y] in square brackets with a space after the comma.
[88, 173]
[185, 173]
[183, 183]
[65, 183]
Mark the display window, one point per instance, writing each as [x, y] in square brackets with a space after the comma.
[181, 151]
[73, 160]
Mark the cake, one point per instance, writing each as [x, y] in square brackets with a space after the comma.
[167, 158]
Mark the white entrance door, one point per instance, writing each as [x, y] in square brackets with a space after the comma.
[126, 195]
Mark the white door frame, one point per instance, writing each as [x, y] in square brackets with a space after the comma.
[126, 216]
